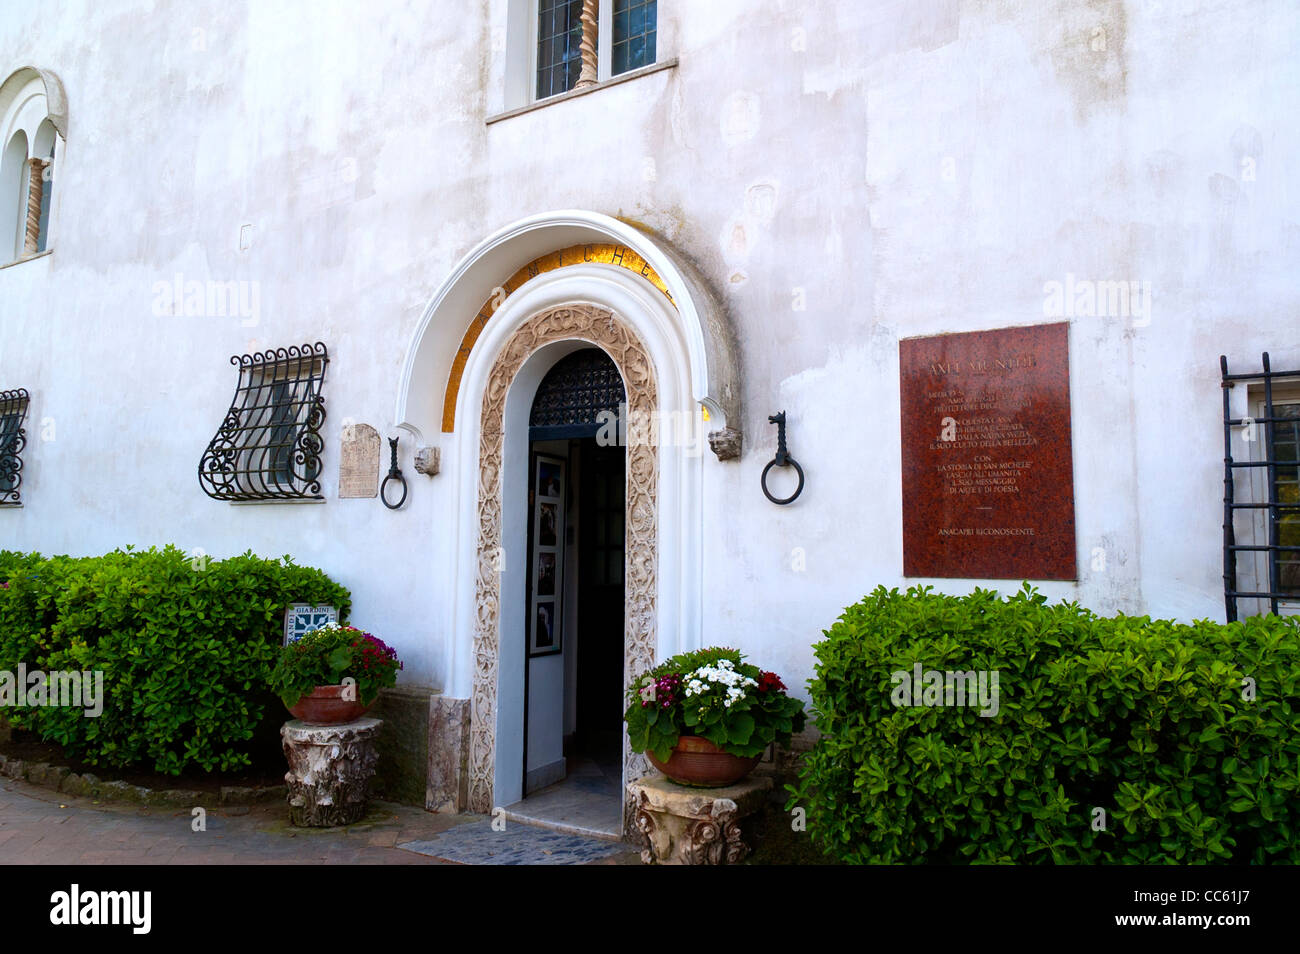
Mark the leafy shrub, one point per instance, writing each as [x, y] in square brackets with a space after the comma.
[1186, 736]
[185, 648]
[326, 656]
[12, 561]
[710, 693]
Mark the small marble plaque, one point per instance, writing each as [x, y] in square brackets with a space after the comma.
[359, 462]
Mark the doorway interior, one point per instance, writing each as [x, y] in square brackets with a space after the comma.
[575, 562]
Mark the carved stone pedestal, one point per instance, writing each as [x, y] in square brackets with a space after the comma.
[695, 826]
[329, 770]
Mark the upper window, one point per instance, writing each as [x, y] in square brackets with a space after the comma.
[580, 42]
[559, 46]
[13, 409]
[634, 34]
[29, 146]
[269, 445]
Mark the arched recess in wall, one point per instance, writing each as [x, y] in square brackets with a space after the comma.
[33, 131]
[505, 262]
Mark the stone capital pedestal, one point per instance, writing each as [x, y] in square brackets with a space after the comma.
[695, 826]
[329, 770]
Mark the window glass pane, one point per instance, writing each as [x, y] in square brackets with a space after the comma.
[544, 56]
[8, 431]
[559, 53]
[1286, 489]
[47, 196]
[634, 34]
[282, 417]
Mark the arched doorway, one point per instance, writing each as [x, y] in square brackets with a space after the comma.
[574, 569]
[505, 618]
[532, 292]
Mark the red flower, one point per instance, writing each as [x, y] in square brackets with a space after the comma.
[770, 682]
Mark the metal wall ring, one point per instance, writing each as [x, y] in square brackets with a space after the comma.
[797, 491]
[398, 505]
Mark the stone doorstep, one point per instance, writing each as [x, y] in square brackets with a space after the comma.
[562, 827]
[60, 778]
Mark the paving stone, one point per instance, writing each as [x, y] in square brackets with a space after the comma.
[34, 829]
[479, 844]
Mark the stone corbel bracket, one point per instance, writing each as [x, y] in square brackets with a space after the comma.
[428, 461]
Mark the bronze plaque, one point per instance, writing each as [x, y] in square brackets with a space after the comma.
[988, 475]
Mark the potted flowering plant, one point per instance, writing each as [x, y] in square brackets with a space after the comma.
[706, 717]
[333, 674]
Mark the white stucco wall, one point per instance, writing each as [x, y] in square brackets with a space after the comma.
[841, 174]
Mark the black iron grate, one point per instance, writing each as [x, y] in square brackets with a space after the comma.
[573, 394]
[269, 445]
[1275, 429]
[13, 438]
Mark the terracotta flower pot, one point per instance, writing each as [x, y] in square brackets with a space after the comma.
[325, 705]
[698, 762]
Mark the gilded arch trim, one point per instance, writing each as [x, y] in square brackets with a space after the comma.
[607, 253]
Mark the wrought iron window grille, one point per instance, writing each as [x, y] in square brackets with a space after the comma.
[269, 445]
[13, 438]
[1272, 430]
[573, 394]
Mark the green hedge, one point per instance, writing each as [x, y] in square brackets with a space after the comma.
[185, 646]
[1146, 720]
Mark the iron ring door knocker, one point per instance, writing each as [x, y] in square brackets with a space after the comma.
[394, 473]
[782, 459]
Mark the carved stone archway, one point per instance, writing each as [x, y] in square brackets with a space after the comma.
[613, 335]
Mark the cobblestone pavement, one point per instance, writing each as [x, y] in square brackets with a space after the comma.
[38, 826]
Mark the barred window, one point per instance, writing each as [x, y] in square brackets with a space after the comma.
[13, 438]
[269, 445]
[1261, 490]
